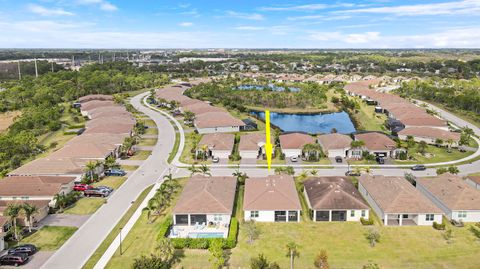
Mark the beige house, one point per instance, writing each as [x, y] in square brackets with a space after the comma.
[376, 144]
[217, 145]
[252, 145]
[292, 144]
[430, 135]
[335, 144]
[473, 181]
[217, 122]
[4, 226]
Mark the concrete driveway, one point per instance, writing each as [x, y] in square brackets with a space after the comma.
[36, 260]
[64, 220]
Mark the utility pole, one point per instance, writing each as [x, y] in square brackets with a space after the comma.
[19, 72]
[36, 68]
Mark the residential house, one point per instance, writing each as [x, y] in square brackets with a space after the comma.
[4, 226]
[292, 144]
[217, 122]
[377, 144]
[43, 207]
[458, 200]
[47, 166]
[204, 208]
[271, 199]
[335, 144]
[430, 135]
[91, 97]
[396, 202]
[473, 181]
[217, 145]
[252, 145]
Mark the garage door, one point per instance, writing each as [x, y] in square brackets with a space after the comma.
[222, 154]
[248, 154]
[336, 152]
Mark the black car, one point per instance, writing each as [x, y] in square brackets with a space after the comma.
[380, 160]
[352, 174]
[419, 167]
[28, 249]
[14, 259]
[338, 159]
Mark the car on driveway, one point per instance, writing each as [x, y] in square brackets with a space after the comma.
[104, 188]
[380, 160]
[294, 159]
[419, 167]
[95, 192]
[82, 187]
[14, 259]
[338, 159]
[215, 159]
[28, 249]
[115, 172]
[351, 173]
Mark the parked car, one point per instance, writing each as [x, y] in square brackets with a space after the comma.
[380, 160]
[96, 192]
[105, 188]
[14, 259]
[294, 159]
[115, 172]
[338, 159]
[82, 187]
[419, 167]
[215, 159]
[352, 173]
[28, 249]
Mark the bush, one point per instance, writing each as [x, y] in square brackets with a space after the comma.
[76, 126]
[70, 133]
[165, 228]
[366, 221]
[438, 226]
[231, 241]
[475, 230]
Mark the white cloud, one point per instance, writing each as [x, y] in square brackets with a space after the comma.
[319, 17]
[309, 7]
[102, 4]
[245, 16]
[446, 8]
[43, 11]
[186, 24]
[249, 28]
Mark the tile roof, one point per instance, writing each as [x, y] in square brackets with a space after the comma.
[51, 166]
[218, 141]
[207, 195]
[91, 97]
[395, 195]
[452, 191]
[376, 141]
[429, 132]
[252, 141]
[475, 179]
[32, 185]
[295, 140]
[275, 192]
[334, 141]
[333, 193]
[90, 105]
[216, 119]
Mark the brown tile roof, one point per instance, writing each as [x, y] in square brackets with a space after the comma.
[218, 141]
[475, 179]
[295, 140]
[200, 108]
[32, 185]
[216, 119]
[252, 141]
[110, 127]
[91, 97]
[109, 111]
[51, 166]
[429, 132]
[452, 191]
[276, 192]
[39, 203]
[207, 195]
[333, 193]
[376, 141]
[334, 141]
[396, 195]
[90, 105]
[427, 120]
[83, 151]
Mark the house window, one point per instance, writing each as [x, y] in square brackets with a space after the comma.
[253, 214]
[352, 213]
[429, 217]
[363, 213]
[25, 197]
[217, 217]
[462, 214]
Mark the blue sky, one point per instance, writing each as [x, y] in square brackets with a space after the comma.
[239, 24]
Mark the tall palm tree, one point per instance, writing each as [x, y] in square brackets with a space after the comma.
[205, 170]
[90, 169]
[151, 207]
[110, 162]
[292, 251]
[60, 201]
[241, 177]
[12, 211]
[193, 170]
[29, 210]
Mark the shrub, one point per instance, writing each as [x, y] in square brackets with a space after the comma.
[70, 133]
[438, 226]
[366, 221]
[475, 230]
[231, 241]
[76, 126]
[165, 228]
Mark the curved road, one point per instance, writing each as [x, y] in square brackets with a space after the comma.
[78, 249]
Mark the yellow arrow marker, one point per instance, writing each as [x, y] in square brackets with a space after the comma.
[268, 144]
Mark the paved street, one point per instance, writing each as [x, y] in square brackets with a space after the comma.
[76, 251]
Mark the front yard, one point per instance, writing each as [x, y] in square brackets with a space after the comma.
[148, 142]
[49, 237]
[140, 155]
[85, 206]
[111, 181]
[433, 155]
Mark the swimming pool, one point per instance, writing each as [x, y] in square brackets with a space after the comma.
[205, 235]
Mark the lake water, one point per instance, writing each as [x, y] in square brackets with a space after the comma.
[310, 123]
[271, 86]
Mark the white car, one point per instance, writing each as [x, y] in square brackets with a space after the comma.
[215, 159]
[293, 159]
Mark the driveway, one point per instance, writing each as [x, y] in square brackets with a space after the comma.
[64, 220]
[36, 260]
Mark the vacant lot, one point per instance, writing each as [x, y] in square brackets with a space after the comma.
[50, 237]
[6, 119]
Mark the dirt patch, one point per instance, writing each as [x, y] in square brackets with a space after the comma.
[7, 118]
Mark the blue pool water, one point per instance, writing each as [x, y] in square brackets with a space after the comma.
[205, 235]
[271, 86]
[310, 123]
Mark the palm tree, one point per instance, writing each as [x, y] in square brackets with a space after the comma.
[241, 177]
[151, 207]
[193, 170]
[166, 250]
[357, 143]
[205, 170]
[110, 162]
[303, 175]
[90, 169]
[29, 210]
[60, 201]
[313, 151]
[292, 251]
[313, 172]
[12, 211]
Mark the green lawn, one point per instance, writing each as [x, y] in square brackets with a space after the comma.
[367, 119]
[112, 182]
[85, 206]
[141, 155]
[129, 167]
[434, 155]
[49, 237]
[148, 142]
[186, 156]
[176, 145]
[151, 131]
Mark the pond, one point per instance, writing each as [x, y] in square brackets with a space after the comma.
[310, 123]
[271, 86]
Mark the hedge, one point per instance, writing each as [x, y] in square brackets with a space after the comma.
[366, 221]
[438, 226]
[202, 243]
[475, 230]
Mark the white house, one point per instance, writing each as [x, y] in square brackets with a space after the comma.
[334, 199]
[217, 145]
[292, 144]
[376, 144]
[457, 199]
[204, 208]
[217, 122]
[473, 181]
[271, 199]
[396, 202]
[335, 144]
[252, 145]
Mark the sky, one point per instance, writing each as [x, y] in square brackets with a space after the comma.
[239, 24]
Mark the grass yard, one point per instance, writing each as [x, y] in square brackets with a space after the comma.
[85, 206]
[148, 142]
[112, 182]
[321, 161]
[367, 119]
[151, 131]
[142, 238]
[129, 167]
[141, 155]
[438, 154]
[49, 237]
[186, 156]
[176, 145]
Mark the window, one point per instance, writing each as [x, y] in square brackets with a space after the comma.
[363, 213]
[429, 217]
[253, 214]
[352, 213]
[462, 214]
[217, 217]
